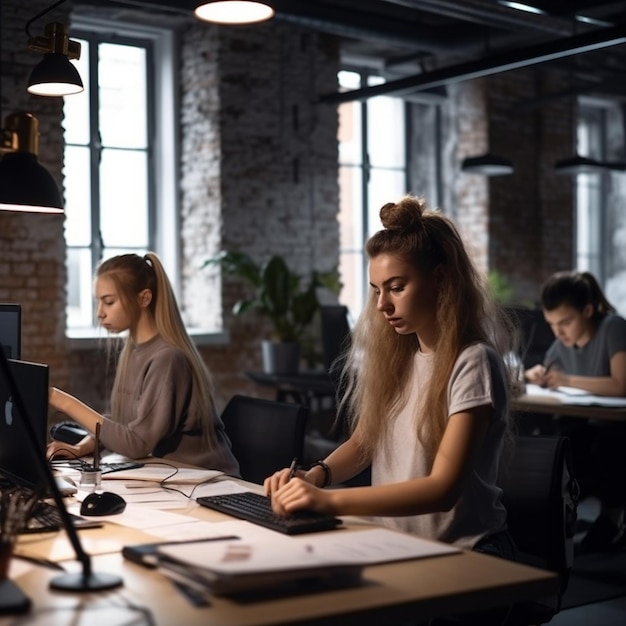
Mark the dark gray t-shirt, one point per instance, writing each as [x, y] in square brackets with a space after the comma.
[594, 358]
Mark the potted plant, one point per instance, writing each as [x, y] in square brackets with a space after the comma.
[283, 298]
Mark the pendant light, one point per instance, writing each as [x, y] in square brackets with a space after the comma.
[487, 165]
[578, 165]
[234, 11]
[55, 75]
[25, 184]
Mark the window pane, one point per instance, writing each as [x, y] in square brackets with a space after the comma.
[77, 196]
[76, 107]
[353, 279]
[123, 86]
[79, 288]
[350, 145]
[385, 186]
[124, 198]
[386, 138]
[351, 213]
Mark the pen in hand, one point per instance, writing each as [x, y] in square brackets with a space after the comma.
[293, 468]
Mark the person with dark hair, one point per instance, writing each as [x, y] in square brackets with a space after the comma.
[426, 394]
[589, 353]
[162, 399]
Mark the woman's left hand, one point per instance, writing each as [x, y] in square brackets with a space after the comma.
[300, 494]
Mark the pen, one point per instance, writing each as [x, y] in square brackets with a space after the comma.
[293, 468]
[96, 452]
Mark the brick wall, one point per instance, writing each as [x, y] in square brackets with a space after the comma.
[32, 252]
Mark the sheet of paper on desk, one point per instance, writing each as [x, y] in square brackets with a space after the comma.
[376, 545]
[567, 395]
[159, 472]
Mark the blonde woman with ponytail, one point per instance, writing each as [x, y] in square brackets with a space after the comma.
[162, 398]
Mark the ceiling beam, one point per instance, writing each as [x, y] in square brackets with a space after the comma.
[502, 62]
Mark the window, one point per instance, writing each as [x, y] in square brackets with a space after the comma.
[119, 147]
[372, 171]
[600, 221]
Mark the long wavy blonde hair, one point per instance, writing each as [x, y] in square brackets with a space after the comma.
[379, 363]
[131, 274]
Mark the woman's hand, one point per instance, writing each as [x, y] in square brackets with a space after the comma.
[535, 374]
[299, 494]
[62, 450]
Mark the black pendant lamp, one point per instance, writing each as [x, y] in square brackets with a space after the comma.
[487, 165]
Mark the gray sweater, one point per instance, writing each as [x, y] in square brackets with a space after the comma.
[161, 414]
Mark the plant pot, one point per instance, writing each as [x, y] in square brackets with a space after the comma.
[280, 358]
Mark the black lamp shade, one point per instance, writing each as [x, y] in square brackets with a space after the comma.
[487, 165]
[26, 185]
[54, 75]
[578, 165]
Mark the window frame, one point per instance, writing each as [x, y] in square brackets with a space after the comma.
[163, 139]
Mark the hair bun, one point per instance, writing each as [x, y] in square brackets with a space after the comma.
[403, 215]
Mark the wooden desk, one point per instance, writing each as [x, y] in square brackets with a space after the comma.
[389, 593]
[542, 404]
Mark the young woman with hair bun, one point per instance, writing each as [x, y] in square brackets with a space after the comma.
[426, 393]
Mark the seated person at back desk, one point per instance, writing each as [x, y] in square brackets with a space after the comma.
[161, 400]
[426, 397]
[589, 353]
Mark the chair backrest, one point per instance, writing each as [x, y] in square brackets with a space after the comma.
[541, 498]
[535, 334]
[335, 332]
[266, 435]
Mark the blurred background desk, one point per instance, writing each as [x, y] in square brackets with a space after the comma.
[543, 403]
[307, 388]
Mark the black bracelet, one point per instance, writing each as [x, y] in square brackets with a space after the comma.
[328, 474]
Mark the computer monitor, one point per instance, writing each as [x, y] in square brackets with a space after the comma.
[18, 462]
[11, 330]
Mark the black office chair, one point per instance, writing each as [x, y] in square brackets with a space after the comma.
[541, 497]
[266, 435]
[335, 332]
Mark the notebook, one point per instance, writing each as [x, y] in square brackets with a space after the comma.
[18, 460]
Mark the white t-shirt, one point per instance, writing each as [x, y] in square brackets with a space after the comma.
[477, 379]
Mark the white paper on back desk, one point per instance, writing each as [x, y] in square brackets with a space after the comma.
[225, 567]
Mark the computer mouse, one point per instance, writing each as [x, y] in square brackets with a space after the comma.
[102, 503]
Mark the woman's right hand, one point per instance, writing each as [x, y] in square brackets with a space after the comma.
[62, 450]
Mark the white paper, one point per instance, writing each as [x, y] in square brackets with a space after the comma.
[279, 552]
[157, 472]
[569, 395]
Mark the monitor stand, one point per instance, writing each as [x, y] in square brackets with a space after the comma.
[12, 598]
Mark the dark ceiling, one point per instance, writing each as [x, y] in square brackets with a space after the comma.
[423, 44]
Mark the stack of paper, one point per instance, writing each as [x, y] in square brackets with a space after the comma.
[241, 565]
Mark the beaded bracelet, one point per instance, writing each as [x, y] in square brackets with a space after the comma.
[328, 475]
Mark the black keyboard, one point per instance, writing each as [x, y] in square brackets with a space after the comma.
[256, 508]
[46, 518]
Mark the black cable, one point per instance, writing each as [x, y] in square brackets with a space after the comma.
[41, 14]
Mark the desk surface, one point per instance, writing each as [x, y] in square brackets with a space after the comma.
[529, 403]
[393, 592]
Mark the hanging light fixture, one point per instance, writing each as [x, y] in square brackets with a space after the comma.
[579, 165]
[25, 184]
[488, 165]
[234, 11]
[55, 75]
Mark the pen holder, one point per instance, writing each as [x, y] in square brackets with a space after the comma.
[16, 505]
[90, 480]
